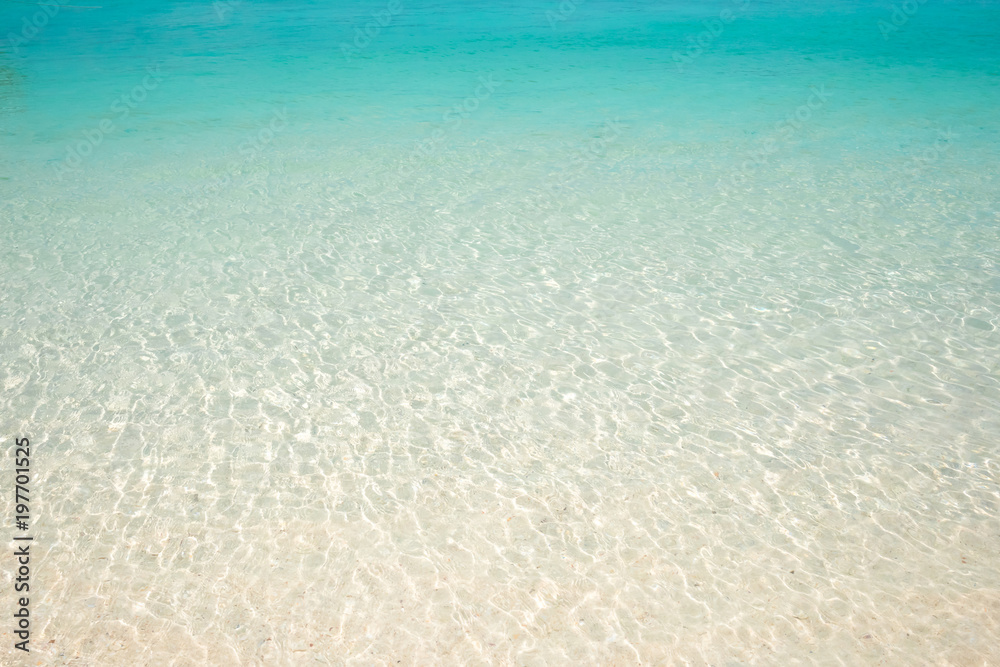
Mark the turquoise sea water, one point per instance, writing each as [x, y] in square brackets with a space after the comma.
[509, 333]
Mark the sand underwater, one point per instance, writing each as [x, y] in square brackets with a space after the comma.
[512, 333]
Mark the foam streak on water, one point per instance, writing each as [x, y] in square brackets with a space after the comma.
[514, 336]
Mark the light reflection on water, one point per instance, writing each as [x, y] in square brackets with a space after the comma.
[557, 395]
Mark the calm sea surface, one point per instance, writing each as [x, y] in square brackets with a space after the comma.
[508, 333]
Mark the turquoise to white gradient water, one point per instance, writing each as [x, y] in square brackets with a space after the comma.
[626, 361]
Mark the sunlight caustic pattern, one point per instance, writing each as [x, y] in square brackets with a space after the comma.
[632, 365]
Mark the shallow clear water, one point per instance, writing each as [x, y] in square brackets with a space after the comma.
[529, 334]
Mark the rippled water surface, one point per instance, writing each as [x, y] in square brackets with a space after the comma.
[608, 333]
